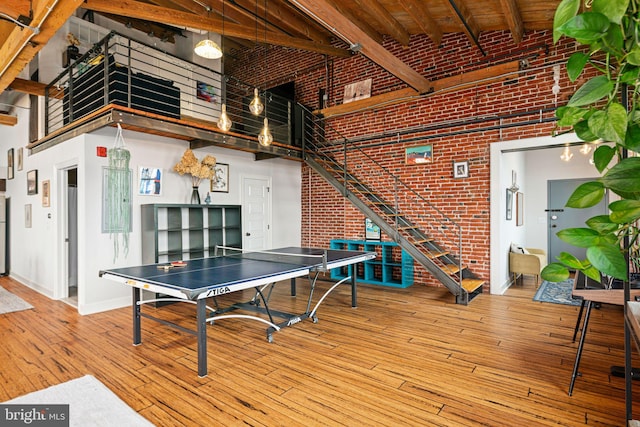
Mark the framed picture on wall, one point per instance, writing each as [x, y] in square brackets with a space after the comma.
[371, 230]
[509, 205]
[220, 180]
[10, 163]
[418, 155]
[461, 169]
[150, 181]
[32, 182]
[46, 193]
[20, 154]
[27, 216]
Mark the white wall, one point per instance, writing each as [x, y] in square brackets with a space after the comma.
[35, 252]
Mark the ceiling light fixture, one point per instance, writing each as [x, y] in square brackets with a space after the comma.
[224, 122]
[265, 138]
[256, 105]
[208, 48]
[566, 154]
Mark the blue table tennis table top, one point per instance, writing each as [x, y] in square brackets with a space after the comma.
[204, 277]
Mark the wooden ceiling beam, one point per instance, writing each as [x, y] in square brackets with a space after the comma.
[514, 19]
[446, 84]
[8, 120]
[389, 24]
[418, 10]
[353, 35]
[167, 16]
[22, 45]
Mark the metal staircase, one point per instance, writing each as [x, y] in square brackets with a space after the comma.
[432, 238]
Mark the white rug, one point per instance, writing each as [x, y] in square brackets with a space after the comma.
[10, 302]
[91, 403]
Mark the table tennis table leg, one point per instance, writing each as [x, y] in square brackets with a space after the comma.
[354, 291]
[201, 331]
[293, 287]
[137, 338]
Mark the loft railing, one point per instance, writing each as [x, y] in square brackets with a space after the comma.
[404, 209]
[122, 71]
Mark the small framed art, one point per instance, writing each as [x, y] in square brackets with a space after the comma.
[10, 163]
[461, 169]
[371, 230]
[46, 193]
[418, 155]
[32, 182]
[220, 180]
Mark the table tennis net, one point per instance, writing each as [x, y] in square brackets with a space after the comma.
[306, 258]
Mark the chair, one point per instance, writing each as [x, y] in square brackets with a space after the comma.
[532, 261]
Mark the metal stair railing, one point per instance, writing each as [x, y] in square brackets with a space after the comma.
[430, 236]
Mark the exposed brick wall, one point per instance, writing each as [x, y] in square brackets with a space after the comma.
[460, 124]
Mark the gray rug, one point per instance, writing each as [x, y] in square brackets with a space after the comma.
[91, 404]
[10, 302]
[557, 293]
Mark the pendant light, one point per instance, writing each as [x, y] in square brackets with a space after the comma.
[265, 138]
[224, 122]
[256, 105]
[208, 48]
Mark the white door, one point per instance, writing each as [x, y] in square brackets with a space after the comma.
[256, 213]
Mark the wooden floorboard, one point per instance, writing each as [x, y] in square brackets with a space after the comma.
[409, 357]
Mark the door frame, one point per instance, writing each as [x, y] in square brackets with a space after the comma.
[61, 287]
[269, 213]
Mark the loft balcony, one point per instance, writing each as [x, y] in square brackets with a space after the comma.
[120, 80]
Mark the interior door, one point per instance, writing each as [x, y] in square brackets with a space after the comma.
[256, 214]
[560, 217]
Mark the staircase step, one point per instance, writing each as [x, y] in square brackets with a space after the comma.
[433, 255]
[471, 285]
[408, 227]
[451, 268]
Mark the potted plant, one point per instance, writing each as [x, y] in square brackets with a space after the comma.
[604, 108]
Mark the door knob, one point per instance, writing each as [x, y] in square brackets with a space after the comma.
[247, 234]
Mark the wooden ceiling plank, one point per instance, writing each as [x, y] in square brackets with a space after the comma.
[390, 25]
[8, 120]
[359, 19]
[149, 12]
[440, 86]
[514, 19]
[22, 44]
[352, 34]
[469, 25]
[418, 10]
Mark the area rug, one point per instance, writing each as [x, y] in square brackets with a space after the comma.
[10, 302]
[557, 293]
[90, 402]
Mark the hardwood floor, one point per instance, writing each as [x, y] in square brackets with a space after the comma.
[409, 357]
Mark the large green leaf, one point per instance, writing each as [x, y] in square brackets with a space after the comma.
[630, 73]
[602, 224]
[610, 124]
[555, 272]
[587, 27]
[632, 139]
[602, 157]
[592, 91]
[569, 260]
[612, 9]
[580, 237]
[583, 132]
[609, 259]
[586, 195]
[624, 211]
[576, 64]
[566, 10]
[624, 177]
[634, 56]
[569, 116]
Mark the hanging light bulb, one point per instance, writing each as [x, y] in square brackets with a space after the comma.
[256, 105]
[208, 48]
[224, 122]
[265, 138]
[566, 154]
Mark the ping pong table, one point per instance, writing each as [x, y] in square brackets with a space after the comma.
[198, 280]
